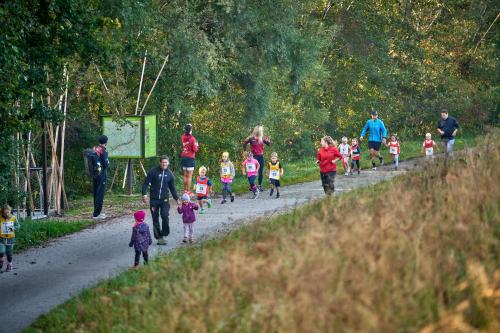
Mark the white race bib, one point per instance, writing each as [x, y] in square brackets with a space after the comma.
[226, 171]
[251, 167]
[274, 174]
[7, 228]
[201, 189]
[393, 150]
[429, 151]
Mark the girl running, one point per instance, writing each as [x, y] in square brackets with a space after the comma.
[203, 188]
[187, 209]
[394, 150]
[257, 141]
[345, 151]
[327, 157]
[189, 149]
[227, 174]
[275, 173]
[355, 156]
[428, 146]
[251, 169]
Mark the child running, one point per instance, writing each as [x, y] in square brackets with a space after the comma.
[394, 150]
[8, 227]
[141, 238]
[203, 187]
[227, 174]
[251, 168]
[355, 156]
[188, 217]
[275, 173]
[428, 146]
[345, 150]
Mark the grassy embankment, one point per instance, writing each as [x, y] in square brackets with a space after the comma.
[421, 257]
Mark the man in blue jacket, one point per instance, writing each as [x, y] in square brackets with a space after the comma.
[378, 135]
[448, 127]
[160, 181]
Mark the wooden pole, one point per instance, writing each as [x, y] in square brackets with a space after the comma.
[140, 84]
[154, 84]
[44, 170]
[63, 132]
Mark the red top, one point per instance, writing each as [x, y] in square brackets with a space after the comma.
[429, 143]
[256, 147]
[189, 145]
[325, 157]
[396, 149]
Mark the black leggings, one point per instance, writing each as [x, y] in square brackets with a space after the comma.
[328, 182]
[260, 159]
[352, 164]
[138, 256]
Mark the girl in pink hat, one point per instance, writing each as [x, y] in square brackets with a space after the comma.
[141, 237]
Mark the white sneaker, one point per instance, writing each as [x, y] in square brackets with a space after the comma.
[99, 217]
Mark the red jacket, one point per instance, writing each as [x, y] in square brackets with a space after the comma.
[256, 147]
[189, 145]
[326, 156]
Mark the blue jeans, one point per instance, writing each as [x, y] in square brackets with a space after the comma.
[251, 181]
[448, 146]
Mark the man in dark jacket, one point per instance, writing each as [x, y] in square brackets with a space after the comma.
[160, 181]
[448, 128]
[100, 165]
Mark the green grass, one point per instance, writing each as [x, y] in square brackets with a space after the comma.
[380, 269]
[38, 232]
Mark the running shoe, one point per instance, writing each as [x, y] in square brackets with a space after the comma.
[277, 195]
[374, 168]
[223, 201]
[271, 192]
[9, 267]
[209, 203]
[202, 211]
[162, 241]
[359, 172]
[232, 197]
[185, 240]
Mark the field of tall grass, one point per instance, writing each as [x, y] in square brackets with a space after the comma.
[417, 254]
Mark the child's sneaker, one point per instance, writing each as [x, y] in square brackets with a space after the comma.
[191, 240]
[202, 211]
[185, 240]
[232, 197]
[374, 168]
[223, 201]
[9, 267]
[1, 264]
[271, 192]
[346, 174]
[209, 203]
[277, 195]
[261, 189]
[359, 172]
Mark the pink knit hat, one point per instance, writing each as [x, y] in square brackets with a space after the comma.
[139, 216]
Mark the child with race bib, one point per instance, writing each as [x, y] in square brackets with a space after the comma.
[227, 174]
[355, 156]
[203, 187]
[8, 227]
[251, 169]
[275, 173]
[428, 146]
[394, 150]
[345, 150]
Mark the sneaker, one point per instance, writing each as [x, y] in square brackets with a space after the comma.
[185, 240]
[359, 172]
[256, 194]
[346, 174]
[162, 241]
[191, 240]
[232, 197]
[202, 211]
[271, 192]
[9, 267]
[209, 203]
[99, 217]
[223, 201]
[261, 189]
[277, 195]
[374, 168]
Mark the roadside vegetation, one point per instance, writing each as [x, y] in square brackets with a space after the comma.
[418, 253]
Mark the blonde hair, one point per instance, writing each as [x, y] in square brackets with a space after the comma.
[344, 138]
[202, 168]
[258, 132]
[328, 139]
[428, 136]
[5, 207]
[225, 154]
[274, 154]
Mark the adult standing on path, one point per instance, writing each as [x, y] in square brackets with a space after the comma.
[448, 128]
[257, 141]
[378, 135]
[160, 181]
[327, 158]
[189, 149]
[100, 164]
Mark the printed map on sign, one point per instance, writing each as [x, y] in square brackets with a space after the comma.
[124, 139]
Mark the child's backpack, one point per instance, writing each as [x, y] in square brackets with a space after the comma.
[89, 162]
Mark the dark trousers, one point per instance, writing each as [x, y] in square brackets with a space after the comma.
[98, 191]
[352, 164]
[160, 208]
[328, 182]
[226, 189]
[138, 257]
[260, 159]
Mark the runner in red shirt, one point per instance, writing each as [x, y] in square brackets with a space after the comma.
[257, 141]
[189, 149]
[327, 158]
[394, 150]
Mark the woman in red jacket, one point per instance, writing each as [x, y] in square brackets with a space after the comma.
[189, 149]
[327, 158]
[257, 141]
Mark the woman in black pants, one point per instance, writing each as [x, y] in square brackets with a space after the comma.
[257, 141]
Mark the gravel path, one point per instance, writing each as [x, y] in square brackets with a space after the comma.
[45, 277]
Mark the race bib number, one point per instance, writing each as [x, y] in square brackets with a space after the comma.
[274, 174]
[226, 171]
[393, 150]
[251, 167]
[201, 189]
[429, 151]
[8, 228]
